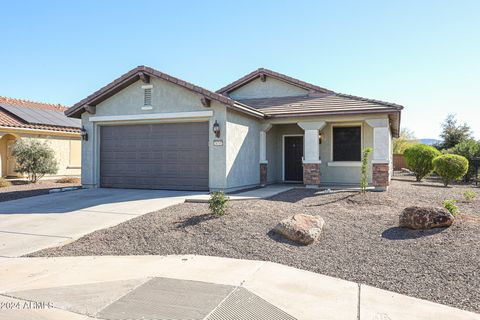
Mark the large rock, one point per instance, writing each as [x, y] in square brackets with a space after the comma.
[301, 228]
[425, 218]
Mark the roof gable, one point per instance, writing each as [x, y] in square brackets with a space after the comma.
[262, 73]
[144, 73]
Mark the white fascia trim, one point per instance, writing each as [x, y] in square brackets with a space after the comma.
[312, 161]
[381, 161]
[344, 164]
[154, 116]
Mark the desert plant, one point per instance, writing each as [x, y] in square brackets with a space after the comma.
[34, 158]
[450, 205]
[4, 183]
[469, 195]
[419, 159]
[364, 169]
[68, 180]
[218, 203]
[450, 167]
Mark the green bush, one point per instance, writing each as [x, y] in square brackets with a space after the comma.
[364, 170]
[419, 159]
[469, 195]
[450, 167]
[470, 149]
[34, 158]
[218, 203]
[4, 183]
[451, 206]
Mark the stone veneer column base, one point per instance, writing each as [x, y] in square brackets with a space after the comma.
[380, 176]
[263, 174]
[311, 174]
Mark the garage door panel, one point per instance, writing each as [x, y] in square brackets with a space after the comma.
[157, 156]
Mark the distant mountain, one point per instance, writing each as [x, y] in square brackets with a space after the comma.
[430, 142]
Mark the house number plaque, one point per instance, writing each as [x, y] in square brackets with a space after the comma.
[218, 142]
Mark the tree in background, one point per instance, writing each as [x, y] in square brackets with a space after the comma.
[406, 139]
[34, 158]
[453, 133]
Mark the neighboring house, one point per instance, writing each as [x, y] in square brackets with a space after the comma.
[147, 129]
[21, 119]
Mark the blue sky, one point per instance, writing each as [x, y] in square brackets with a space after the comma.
[424, 55]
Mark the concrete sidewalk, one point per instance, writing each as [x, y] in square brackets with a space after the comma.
[196, 287]
[31, 224]
[257, 193]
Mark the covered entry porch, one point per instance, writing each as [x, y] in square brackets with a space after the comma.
[324, 152]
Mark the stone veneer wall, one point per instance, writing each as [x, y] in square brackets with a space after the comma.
[380, 177]
[311, 173]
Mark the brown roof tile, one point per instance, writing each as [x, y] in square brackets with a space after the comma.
[9, 120]
[262, 71]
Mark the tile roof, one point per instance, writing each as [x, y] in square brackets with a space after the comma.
[262, 71]
[134, 75]
[9, 120]
[327, 103]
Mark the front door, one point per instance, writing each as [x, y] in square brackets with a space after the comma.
[293, 153]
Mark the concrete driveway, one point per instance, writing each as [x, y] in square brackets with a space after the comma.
[31, 224]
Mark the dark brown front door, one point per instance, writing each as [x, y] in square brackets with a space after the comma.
[155, 156]
[293, 158]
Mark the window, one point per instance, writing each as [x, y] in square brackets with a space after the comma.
[347, 143]
[75, 153]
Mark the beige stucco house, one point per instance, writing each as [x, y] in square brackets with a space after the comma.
[147, 129]
[23, 119]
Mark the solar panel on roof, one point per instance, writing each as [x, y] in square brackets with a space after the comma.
[40, 116]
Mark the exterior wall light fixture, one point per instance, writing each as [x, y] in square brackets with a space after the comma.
[216, 129]
[84, 134]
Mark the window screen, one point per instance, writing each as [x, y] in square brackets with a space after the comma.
[347, 143]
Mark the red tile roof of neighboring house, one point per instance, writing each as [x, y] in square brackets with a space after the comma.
[8, 119]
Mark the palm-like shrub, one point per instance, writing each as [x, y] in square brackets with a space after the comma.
[419, 159]
[34, 158]
[450, 167]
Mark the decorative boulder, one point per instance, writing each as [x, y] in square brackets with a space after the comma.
[301, 228]
[425, 218]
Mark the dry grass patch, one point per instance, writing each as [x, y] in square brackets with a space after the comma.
[68, 180]
[4, 183]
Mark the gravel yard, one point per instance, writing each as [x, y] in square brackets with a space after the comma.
[23, 189]
[360, 241]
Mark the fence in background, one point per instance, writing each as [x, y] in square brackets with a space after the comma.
[399, 162]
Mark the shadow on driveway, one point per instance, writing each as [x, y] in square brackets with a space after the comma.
[106, 200]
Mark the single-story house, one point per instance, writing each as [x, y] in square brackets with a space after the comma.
[21, 119]
[148, 129]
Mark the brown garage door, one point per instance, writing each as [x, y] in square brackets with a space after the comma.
[155, 156]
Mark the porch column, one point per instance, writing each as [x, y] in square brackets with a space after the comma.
[311, 160]
[382, 150]
[263, 154]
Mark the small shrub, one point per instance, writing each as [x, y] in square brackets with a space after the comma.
[470, 149]
[68, 180]
[364, 170]
[451, 206]
[34, 158]
[450, 167]
[218, 203]
[4, 183]
[469, 195]
[419, 159]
